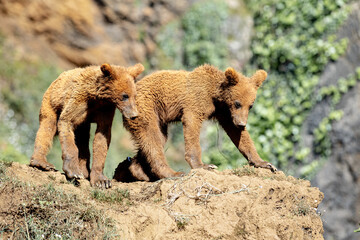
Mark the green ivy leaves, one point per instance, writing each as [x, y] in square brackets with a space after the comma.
[293, 40]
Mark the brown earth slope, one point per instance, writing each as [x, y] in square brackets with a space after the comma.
[246, 203]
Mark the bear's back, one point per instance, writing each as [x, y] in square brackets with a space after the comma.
[163, 85]
[72, 81]
[164, 92]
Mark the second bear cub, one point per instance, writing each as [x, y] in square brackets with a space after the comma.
[190, 97]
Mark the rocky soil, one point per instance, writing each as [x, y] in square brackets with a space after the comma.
[246, 203]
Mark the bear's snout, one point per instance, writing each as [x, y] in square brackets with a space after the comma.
[239, 123]
[242, 124]
[131, 114]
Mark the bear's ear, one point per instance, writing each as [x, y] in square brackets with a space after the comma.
[106, 69]
[258, 78]
[231, 76]
[136, 70]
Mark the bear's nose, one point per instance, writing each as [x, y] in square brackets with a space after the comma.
[242, 124]
[133, 117]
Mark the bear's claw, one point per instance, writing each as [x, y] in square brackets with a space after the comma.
[103, 184]
[99, 181]
[264, 165]
[210, 166]
[271, 167]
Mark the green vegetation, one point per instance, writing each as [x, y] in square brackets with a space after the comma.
[322, 144]
[200, 38]
[23, 83]
[293, 40]
[111, 196]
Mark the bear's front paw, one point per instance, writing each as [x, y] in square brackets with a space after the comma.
[264, 164]
[71, 170]
[100, 181]
[270, 166]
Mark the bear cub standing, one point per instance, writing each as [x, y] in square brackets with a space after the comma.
[190, 97]
[73, 101]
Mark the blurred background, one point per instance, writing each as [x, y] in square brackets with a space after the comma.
[306, 120]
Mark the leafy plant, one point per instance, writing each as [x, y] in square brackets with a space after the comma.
[23, 83]
[200, 37]
[293, 41]
[322, 143]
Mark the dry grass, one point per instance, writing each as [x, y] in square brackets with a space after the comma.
[244, 171]
[110, 196]
[302, 208]
[43, 212]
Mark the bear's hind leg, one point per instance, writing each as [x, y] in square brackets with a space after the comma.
[151, 144]
[82, 137]
[43, 141]
[192, 126]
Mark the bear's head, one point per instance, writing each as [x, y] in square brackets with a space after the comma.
[120, 87]
[239, 93]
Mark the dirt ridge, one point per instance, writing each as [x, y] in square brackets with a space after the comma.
[246, 203]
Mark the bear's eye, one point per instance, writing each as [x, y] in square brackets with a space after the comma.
[125, 97]
[250, 107]
[237, 104]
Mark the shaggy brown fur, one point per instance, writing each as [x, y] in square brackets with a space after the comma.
[190, 97]
[74, 100]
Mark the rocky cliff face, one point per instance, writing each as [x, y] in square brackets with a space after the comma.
[339, 178]
[121, 32]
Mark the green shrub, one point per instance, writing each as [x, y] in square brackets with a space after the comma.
[293, 41]
[199, 38]
[23, 83]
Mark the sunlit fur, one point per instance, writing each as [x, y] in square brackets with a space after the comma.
[74, 100]
[190, 97]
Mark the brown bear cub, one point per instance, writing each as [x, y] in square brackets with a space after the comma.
[73, 101]
[190, 97]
